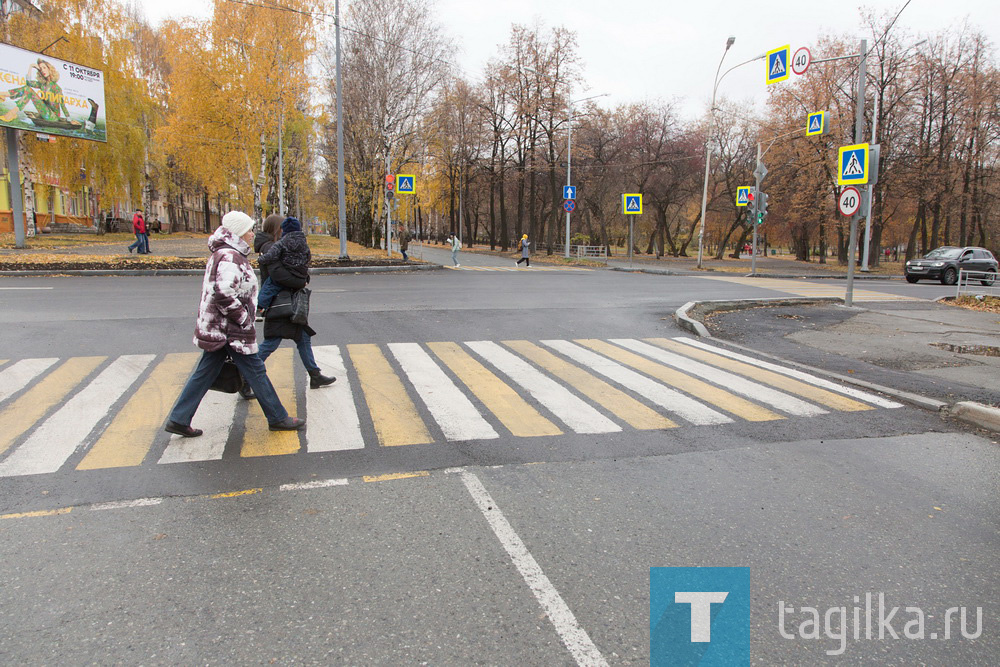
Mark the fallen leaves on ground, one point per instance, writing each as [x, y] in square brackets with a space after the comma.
[989, 304]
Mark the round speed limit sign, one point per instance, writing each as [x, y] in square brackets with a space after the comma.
[801, 60]
[850, 201]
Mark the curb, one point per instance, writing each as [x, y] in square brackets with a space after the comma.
[782, 276]
[981, 416]
[319, 271]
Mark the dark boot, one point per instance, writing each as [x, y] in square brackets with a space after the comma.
[246, 392]
[317, 380]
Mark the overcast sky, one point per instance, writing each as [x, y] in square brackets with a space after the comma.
[664, 49]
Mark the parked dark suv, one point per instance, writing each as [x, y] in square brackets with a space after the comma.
[945, 262]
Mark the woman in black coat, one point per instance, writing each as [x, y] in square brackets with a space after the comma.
[290, 277]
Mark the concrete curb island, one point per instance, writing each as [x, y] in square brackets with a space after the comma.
[976, 414]
[319, 271]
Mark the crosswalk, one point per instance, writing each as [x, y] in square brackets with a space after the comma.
[98, 413]
[517, 269]
[807, 288]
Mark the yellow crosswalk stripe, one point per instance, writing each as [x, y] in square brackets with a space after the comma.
[615, 401]
[697, 388]
[764, 376]
[514, 412]
[3, 361]
[258, 439]
[23, 413]
[396, 419]
[128, 438]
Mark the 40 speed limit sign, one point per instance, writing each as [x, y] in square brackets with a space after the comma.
[850, 201]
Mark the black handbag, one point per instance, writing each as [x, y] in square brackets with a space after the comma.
[281, 305]
[229, 380]
[300, 306]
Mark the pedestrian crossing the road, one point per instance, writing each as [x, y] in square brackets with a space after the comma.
[805, 288]
[517, 269]
[100, 413]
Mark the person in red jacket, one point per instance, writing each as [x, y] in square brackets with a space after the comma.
[141, 245]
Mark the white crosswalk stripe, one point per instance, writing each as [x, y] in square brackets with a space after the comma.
[674, 401]
[731, 381]
[578, 415]
[80, 407]
[454, 413]
[48, 448]
[17, 376]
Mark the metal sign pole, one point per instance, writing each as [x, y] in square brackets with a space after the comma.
[14, 174]
[871, 194]
[753, 218]
[859, 120]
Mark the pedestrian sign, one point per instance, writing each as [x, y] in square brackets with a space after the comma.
[853, 165]
[816, 124]
[777, 64]
[743, 197]
[406, 184]
[632, 204]
[569, 192]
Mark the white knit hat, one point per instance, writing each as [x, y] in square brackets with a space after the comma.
[237, 222]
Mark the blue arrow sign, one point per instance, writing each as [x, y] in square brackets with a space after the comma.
[569, 192]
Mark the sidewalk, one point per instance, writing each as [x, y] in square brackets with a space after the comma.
[935, 350]
[771, 267]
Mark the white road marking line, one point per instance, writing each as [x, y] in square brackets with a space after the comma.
[316, 484]
[334, 424]
[674, 401]
[791, 372]
[17, 376]
[127, 504]
[216, 416]
[577, 414]
[47, 449]
[23, 288]
[730, 381]
[451, 409]
[576, 639]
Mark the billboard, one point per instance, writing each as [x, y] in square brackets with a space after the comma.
[39, 93]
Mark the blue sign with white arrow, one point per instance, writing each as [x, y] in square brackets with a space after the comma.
[569, 192]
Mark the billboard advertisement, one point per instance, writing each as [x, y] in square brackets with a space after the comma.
[42, 94]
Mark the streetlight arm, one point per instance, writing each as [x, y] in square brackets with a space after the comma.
[720, 78]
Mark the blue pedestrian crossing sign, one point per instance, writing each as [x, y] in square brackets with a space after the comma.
[743, 195]
[777, 64]
[569, 192]
[853, 165]
[816, 124]
[632, 204]
[406, 184]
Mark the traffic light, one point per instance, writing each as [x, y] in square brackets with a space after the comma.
[761, 207]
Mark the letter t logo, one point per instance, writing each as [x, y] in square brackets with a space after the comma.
[701, 612]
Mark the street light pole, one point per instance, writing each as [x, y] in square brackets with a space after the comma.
[341, 213]
[569, 160]
[708, 151]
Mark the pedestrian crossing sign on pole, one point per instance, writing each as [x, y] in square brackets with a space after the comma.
[632, 204]
[743, 195]
[853, 165]
[777, 64]
[406, 184]
[816, 124]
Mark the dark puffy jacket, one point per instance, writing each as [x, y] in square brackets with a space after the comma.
[292, 251]
[275, 258]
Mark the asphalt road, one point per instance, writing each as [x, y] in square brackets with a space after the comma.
[505, 550]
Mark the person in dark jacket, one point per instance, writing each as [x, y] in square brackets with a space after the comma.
[224, 328]
[286, 261]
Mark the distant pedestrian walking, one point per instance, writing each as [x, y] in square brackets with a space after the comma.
[524, 245]
[456, 245]
[404, 242]
[141, 245]
[224, 328]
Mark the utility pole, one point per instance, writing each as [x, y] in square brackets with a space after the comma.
[871, 194]
[281, 162]
[569, 160]
[341, 213]
[14, 174]
[859, 120]
[753, 217]
[388, 210]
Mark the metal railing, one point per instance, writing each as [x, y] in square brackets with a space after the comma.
[976, 283]
[590, 252]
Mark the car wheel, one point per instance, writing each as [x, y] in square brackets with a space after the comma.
[988, 280]
[949, 277]
[912, 279]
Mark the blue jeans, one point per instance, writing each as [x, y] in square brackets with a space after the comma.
[454, 257]
[268, 291]
[305, 350]
[252, 369]
[145, 243]
[139, 243]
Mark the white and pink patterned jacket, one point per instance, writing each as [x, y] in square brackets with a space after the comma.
[228, 297]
